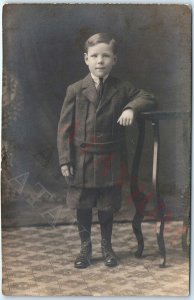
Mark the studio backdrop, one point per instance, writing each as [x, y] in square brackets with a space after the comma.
[43, 54]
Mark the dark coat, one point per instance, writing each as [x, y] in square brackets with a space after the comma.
[84, 119]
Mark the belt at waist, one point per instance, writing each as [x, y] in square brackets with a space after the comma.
[99, 147]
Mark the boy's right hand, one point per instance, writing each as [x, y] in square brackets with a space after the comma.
[67, 170]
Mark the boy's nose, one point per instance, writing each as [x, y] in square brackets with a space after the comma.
[100, 59]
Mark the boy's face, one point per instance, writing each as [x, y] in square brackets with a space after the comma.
[100, 59]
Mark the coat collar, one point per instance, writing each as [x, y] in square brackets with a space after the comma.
[89, 90]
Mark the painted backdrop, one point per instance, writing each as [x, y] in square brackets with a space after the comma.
[43, 54]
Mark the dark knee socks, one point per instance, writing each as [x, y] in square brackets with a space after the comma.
[106, 223]
[84, 218]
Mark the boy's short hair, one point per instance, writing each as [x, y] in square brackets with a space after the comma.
[100, 38]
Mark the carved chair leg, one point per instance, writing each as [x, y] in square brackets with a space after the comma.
[136, 225]
[140, 202]
[137, 195]
[159, 201]
[161, 243]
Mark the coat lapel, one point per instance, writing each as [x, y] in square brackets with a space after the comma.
[89, 89]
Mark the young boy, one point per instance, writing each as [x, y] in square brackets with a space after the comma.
[91, 143]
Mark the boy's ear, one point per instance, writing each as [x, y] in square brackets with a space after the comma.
[86, 58]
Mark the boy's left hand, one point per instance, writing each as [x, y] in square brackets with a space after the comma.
[126, 118]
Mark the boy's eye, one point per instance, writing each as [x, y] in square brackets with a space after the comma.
[106, 55]
[94, 55]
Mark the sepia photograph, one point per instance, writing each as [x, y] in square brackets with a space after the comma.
[96, 149]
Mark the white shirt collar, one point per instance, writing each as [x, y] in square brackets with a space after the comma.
[97, 80]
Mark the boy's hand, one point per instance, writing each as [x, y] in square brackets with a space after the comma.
[67, 170]
[126, 118]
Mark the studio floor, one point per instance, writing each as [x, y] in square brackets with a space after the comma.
[38, 261]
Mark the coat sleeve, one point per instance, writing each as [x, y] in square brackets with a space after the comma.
[66, 128]
[139, 100]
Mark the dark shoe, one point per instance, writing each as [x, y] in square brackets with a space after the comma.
[84, 258]
[110, 259]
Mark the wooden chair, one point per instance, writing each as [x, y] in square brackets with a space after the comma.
[139, 198]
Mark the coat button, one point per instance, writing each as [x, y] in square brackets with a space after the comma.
[83, 145]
